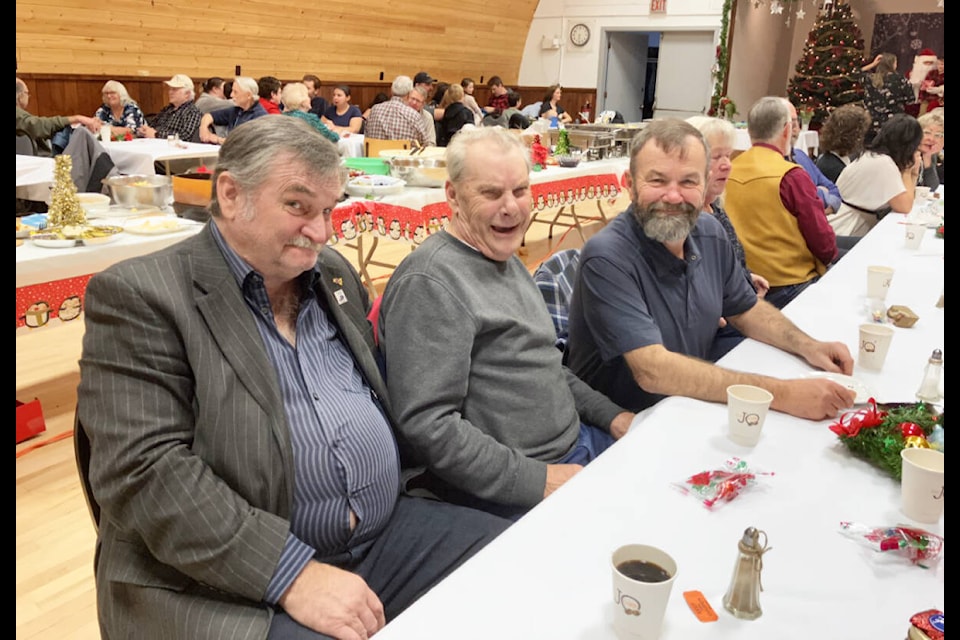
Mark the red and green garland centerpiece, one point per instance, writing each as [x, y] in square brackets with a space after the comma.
[879, 433]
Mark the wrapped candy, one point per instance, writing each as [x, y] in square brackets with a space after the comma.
[717, 486]
[919, 546]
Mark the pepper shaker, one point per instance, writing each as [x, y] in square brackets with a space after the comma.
[743, 596]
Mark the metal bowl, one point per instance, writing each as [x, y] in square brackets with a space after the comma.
[138, 191]
[426, 169]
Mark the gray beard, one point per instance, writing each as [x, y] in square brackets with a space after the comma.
[666, 228]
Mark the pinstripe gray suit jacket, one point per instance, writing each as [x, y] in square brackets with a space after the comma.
[191, 459]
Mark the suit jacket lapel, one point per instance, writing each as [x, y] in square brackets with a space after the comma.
[221, 304]
[330, 286]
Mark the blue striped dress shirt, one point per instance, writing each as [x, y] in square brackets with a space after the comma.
[345, 455]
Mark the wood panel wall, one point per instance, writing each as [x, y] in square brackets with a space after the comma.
[60, 94]
[343, 40]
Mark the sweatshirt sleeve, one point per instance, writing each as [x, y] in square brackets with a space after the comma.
[594, 408]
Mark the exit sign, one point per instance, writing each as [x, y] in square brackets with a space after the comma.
[658, 6]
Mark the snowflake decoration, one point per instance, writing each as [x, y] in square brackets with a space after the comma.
[916, 44]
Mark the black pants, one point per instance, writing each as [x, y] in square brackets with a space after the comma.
[423, 542]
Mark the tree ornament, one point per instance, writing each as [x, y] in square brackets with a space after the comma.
[65, 209]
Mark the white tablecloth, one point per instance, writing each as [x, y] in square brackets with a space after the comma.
[351, 145]
[808, 142]
[37, 264]
[548, 576]
[137, 157]
[34, 177]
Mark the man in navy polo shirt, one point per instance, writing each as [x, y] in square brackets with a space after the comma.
[654, 284]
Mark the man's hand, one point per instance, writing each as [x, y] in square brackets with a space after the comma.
[761, 284]
[334, 602]
[90, 123]
[621, 424]
[812, 398]
[557, 474]
[146, 131]
[830, 356]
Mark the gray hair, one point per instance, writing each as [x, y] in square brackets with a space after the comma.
[933, 117]
[402, 85]
[295, 97]
[461, 144]
[423, 92]
[715, 128]
[254, 148]
[21, 88]
[767, 118]
[248, 83]
[670, 134]
[117, 86]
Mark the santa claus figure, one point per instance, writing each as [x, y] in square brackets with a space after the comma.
[926, 77]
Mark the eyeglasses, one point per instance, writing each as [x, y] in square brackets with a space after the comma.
[934, 134]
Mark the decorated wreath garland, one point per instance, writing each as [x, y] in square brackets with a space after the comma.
[879, 433]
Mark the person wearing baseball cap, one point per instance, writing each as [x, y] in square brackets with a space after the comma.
[181, 117]
[425, 82]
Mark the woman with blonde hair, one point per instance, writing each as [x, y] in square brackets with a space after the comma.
[296, 103]
[119, 111]
[455, 114]
[885, 92]
[720, 136]
[931, 175]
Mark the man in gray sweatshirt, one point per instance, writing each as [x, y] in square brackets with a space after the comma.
[480, 395]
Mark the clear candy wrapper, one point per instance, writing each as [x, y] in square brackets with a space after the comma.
[718, 486]
[921, 547]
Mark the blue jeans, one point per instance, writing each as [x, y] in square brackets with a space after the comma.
[781, 296]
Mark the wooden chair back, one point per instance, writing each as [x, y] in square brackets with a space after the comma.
[372, 147]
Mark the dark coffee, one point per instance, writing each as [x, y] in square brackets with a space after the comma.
[643, 571]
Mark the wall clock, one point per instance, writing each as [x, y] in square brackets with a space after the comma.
[579, 34]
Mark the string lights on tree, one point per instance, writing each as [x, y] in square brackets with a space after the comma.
[827, 69]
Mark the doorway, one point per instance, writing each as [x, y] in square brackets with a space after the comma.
[647, 74]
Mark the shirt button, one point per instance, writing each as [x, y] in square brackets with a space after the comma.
[316, 396]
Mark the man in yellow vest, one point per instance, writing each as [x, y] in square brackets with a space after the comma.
[775, 209]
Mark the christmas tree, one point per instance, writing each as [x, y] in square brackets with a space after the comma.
[65, 209]
[826, 74]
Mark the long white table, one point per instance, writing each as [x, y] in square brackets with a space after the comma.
[34, 177]
[548, 576]
[137, 156]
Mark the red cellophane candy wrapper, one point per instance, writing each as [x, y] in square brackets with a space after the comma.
[929, 623]
[919, 546]
[719, 486]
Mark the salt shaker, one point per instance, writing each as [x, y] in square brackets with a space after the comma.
[743, 595]
[929, 390]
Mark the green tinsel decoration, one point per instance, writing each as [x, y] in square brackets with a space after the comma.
[881, 445]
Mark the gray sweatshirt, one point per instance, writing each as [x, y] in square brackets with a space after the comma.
[477, 385]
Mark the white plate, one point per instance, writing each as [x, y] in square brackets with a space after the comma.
[119, 211]
[864, 393]
[374, 186]
[156, 226]
[54, 243]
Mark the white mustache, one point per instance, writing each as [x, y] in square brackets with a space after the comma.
[303, 242]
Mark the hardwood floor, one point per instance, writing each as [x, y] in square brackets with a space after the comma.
[56, 597]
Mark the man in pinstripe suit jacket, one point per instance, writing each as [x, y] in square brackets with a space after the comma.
[241, 443]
